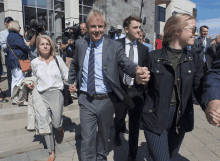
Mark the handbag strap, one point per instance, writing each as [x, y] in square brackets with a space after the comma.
[58, 66]
[12, 51]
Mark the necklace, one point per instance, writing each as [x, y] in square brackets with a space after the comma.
[176, 54]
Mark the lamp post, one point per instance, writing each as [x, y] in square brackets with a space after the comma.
[142, 5]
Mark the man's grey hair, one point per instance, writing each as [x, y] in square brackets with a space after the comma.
[96, 12]
[14, 25]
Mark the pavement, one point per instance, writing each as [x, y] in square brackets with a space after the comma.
[202, 144]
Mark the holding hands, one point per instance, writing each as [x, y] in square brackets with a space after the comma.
[213, 112]
[72, 88]
[142, 75]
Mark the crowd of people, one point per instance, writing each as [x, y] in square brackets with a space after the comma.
[119, 75]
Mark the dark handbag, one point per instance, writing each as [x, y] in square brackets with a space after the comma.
[66, 93]
[25, 64]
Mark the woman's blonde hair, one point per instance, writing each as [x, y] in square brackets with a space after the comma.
[175, 24]
[52, 48]
[14, 25]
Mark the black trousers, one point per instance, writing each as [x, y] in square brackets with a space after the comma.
[8, 76]
[165, 147]
[134, 119]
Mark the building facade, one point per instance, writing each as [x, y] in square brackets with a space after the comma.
[166, 8]
[58, 14]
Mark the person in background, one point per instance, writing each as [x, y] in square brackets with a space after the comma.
[16, 44]
[50, 85]
[57, 48]
[146, 40]
[66, 42]
[158, 42]
[140, 39]
[175, 74]
[201, 46]
[210, 37]
[214, 49]
[118, 34]
[31, 42]
[3, 41]
[83, 31]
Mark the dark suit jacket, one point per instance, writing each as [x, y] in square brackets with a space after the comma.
[113, 56]
[198, 48]
[211, 85]
[142, 61]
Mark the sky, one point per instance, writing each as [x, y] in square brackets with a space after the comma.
[208, 13]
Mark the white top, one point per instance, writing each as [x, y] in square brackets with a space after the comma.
[127, 49]
[49, 76]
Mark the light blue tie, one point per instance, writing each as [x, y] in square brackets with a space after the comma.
[91, 72]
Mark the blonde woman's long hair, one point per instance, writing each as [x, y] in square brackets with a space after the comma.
[175, 24]
[52, 48]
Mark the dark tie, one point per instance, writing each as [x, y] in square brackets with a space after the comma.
[128, 79]
[91, 72]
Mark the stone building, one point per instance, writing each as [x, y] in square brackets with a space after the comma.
[117, 10]
[58, 14]
[166, 8]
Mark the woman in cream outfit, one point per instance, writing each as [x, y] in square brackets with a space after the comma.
[50, 85]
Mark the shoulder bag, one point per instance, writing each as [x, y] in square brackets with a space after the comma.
[25, 64]
[66, 93]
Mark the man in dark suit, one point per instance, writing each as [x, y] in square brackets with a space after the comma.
[201, 46]
[97, 62]
[137, 53]
[211, 93]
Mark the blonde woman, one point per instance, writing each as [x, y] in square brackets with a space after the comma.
[17, 45]
[175, 73]
[50, 85]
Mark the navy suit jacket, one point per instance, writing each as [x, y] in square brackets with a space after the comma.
[211, 85]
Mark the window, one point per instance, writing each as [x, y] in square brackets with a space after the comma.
[2, 16]
[161, 14]
[45, 4]
[28, 2]
[84, 7]
[49, 12]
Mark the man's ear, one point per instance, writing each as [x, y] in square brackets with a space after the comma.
[126, 29]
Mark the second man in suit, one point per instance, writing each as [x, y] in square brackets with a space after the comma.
[137, 53]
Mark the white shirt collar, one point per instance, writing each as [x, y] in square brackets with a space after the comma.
[128, 41]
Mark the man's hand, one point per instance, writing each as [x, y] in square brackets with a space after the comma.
[213, 42]
[213, 112]
[72, 88]
[142, 75]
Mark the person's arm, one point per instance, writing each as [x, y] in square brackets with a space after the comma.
[141, 74]
[21, 44]
[65, 44]
[63, 68]
[72, 75]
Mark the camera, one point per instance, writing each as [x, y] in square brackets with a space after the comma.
[112, 31]
[34, 28]
[75, 31]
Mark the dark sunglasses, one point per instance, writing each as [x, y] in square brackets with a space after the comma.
[193, 29]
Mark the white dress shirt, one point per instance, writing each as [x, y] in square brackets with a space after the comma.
[127, 49]
[3, 39]
[49, 76]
